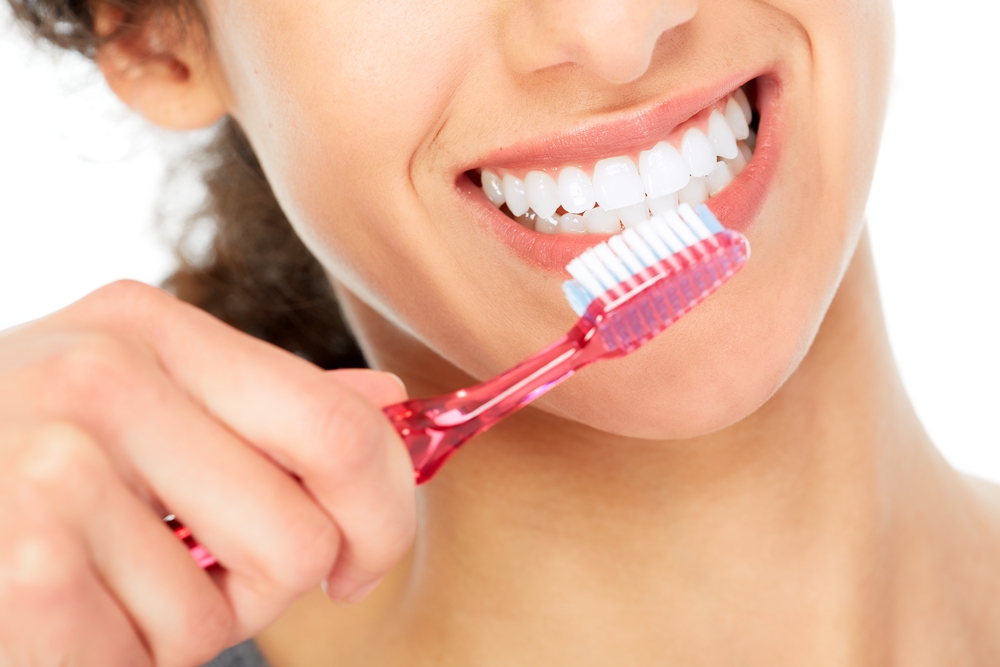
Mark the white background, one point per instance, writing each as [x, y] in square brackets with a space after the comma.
[80, 178]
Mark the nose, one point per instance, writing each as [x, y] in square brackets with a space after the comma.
[612, 39]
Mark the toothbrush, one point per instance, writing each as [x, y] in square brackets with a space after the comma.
[626, 289]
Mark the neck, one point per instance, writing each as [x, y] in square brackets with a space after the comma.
[545, 541]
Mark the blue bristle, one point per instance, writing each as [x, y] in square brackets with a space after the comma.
[708, 218]
[578, 297]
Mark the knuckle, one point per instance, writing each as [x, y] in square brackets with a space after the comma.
[351, 434]
[41, 569]
[94, 358]
[127, 296]
[308, 553]
[56, 455]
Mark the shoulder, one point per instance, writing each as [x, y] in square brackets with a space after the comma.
[241, 655]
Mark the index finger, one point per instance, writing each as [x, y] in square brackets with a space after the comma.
[322, 427]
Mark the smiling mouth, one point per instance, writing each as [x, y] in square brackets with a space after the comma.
[693, 162]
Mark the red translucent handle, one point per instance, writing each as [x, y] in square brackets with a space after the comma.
[616, 323]
[434, 428]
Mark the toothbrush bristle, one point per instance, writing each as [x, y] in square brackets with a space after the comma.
[639, 282]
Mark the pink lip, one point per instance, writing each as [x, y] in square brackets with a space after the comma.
[737, 206]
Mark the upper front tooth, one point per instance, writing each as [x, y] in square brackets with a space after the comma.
[493, 188]
[617, 183]
[737, 121]
[663, 170]
[741, 99]
[542, 193]
[721, 136]
[698, 152]
[576, 192]
[513, 193]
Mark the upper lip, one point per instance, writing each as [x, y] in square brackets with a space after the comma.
[618, 134]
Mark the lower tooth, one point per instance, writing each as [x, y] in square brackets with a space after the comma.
[527, 220]
[633, 215]
[546, 225]
[737, 164]
[695, 192]
[571, 223]
[599, 221]
[752, 140]
[719, 178]
[662, 204]
[745, 150]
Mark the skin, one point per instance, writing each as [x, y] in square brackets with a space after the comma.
[751, 487]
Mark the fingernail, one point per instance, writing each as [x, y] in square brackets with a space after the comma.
[399, 380]
[363, 592]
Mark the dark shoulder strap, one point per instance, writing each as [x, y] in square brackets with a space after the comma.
[241, 655]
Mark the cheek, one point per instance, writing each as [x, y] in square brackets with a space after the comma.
[337, 97]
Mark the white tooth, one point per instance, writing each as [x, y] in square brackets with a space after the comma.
[737, 121]
[599, 221]
[493, 187]
[752, 140]
[542, 193]
[721, 136]
[571, 223]
[663, 170]
[745, 150]
[527, 220]
[632, 215]
[617, 183]
[741, 99]
[576, 192]
[719, 178]
[662, 204]
[546, 225]
[513, 194]
[698, 152]
[695, 192]
[737, 164]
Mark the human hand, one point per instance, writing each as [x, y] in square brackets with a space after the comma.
[129, 405]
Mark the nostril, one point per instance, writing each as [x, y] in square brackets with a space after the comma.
[613, 39]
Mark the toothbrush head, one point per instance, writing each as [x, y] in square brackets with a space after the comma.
[636, 284]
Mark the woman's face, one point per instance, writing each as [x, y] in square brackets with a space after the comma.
[374, 120]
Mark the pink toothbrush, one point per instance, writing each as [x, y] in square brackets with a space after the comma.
[626, 289]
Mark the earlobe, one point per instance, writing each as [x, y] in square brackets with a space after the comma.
[161, 67]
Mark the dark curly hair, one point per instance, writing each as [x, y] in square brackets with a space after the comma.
[257, 275]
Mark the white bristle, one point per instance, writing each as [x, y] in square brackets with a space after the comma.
[694, 221]
[628, 258]
[664, 231]
[582, 275]
[639, 247]
[653, 239]
[610, 259]
[679, 228]
[596, 266]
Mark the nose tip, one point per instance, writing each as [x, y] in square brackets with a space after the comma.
[613, 40]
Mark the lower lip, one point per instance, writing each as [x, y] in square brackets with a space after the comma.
[737, 207]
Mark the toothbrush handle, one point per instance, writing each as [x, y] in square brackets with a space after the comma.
[434, 428]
